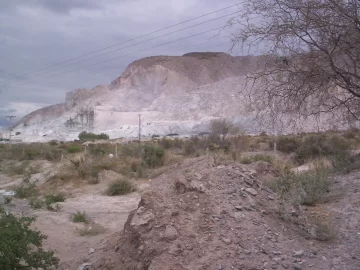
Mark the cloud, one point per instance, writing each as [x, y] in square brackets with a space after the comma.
[40, 33]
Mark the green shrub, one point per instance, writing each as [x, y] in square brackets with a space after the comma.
[308, 188]
[80, 217]
[74, 149]
[17, 169]
[54, 198]
[26, 191]
[36, 203]
[189, 148]
[152, 156]
[246, 160]
[120, 187]
[21, 246]
[344, 162]
[84, 136]
[255, 158]
[8, 200]
[287, 144]
[315, 146]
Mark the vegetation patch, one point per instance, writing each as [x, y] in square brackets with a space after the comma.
[91, 230]
[308, 188]
[16, 239]
[88, 136]
[26, 191]
[120, 187]
[80, 217]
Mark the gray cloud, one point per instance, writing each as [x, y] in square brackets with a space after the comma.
[38, 33]
[58, 6]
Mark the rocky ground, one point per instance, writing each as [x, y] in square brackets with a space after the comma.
[201, 216]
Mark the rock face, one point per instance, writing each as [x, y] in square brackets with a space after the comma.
[75, 97]
[174, 94]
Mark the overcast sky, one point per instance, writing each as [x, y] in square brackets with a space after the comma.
[35, 34]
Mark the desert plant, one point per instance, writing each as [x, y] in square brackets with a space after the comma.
[315, 146]
[54, 198]
[255, 158]
[74, 149]
[91, 136]
[21, 246]
[8, 200]
[80, 217]
[287, 144]
[36, 203]
[152, 156]
[308, 188]
[26, 191]
[120, 187]
[91, 230]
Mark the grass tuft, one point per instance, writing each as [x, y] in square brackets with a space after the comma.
[120, 187]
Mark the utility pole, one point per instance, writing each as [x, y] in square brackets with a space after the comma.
[10, 117]
[139, 129]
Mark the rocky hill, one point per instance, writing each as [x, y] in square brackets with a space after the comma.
[173, 94]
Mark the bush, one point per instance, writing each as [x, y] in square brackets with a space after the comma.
[85, 136]
[308, 188]
[287, 144]
[18, 169]
[152, 156]
[26, 191]
[252, 159]
[54, 198]
[80, 217]
[8, 200]
[314, 146]
[20, 246]
[120, 187]
[74, 149]
[36, 203]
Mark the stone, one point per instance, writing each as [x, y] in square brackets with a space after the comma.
[298, 254]
[226, 240]
[84, 266]
[239, 207]
[142, 217]
[285, 265]
[251, 191]
[249, 181]
[297, 266]
[271, 197]
[170, 233]
[91, 251]
[117, 248]
[247, 252]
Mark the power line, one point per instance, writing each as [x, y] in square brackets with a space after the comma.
[141, 42]
[116, 44]
[117, 57]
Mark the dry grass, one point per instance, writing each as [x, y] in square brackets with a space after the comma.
[91, 230]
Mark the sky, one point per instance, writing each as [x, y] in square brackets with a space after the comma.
[37, 35]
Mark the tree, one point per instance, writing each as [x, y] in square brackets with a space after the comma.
[222, 127]
[311, 55]
[20, 246]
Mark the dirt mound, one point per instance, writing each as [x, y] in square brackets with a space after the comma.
[202, 217]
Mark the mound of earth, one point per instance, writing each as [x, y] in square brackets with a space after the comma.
[201, 216]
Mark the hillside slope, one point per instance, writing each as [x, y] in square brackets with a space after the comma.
[173, 94]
